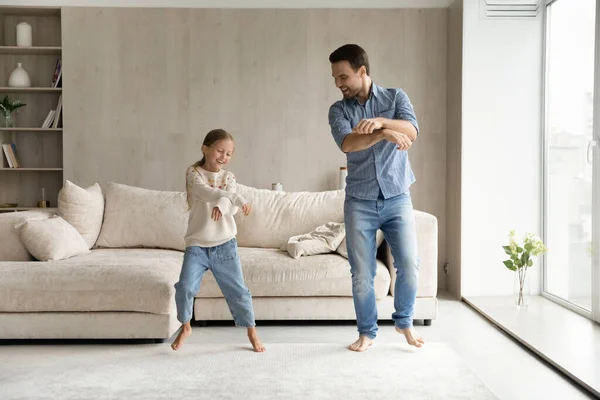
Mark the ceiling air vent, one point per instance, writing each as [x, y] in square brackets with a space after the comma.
[509, 8]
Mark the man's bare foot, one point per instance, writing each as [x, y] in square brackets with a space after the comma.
[255, 340]
[411, 336]
[184, 332]
[362, 344]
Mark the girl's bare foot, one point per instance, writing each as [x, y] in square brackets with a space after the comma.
[362, 344]
[184, 332]
[411, 336]
[255, 340]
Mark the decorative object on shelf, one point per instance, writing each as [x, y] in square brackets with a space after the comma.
[278, 187]
[520, 260]
[343, 175]
[19, 77]
[7, 107]
[24, 35]
[43, 203]
[9, 205]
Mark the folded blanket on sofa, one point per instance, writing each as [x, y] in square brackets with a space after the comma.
[324, 239]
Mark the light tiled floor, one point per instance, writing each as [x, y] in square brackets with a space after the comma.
[506, 367]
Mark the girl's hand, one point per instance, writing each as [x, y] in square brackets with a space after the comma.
[246, 208]
[216, 214]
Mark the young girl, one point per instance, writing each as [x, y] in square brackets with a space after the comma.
[210, 239]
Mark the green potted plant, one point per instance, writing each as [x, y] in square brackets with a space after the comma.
[7, 107]
[520, 260]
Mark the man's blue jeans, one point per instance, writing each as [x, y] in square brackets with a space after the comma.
[395, 217]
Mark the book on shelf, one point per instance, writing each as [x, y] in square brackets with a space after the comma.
[49, 119]
[15, 155]
[7, 155]
[57, 113]
[10, 152]
[56, 78]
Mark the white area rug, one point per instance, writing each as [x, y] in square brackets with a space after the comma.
[218, 371]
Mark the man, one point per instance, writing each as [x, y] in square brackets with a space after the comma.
[375, 127]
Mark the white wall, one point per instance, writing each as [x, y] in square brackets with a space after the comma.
[237, 3]
[501, 145]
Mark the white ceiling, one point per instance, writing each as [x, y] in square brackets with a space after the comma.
[237, 3]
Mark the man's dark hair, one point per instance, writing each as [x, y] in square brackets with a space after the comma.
[354, 54]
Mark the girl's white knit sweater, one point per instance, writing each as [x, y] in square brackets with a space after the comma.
[207, 190]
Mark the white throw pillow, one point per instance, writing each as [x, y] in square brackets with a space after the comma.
[277, 216]
[324, 239]
[343, 249]
[83, 209]
[136, 217]
[11, 246]
[51, 239]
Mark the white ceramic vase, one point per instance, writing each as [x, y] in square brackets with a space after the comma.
[24, 35]
[19, 77]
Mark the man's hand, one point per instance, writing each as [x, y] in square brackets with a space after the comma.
[400, 139]
[216, 214]
[368, 126]
[246, 208]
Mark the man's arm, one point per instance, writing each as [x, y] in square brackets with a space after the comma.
[371, 125]
[404, 119]
[401, 126]
[356, 142]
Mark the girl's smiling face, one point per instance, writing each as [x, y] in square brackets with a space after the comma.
[217, 155]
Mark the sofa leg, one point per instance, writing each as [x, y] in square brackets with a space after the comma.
[427, 322]
[203, 324]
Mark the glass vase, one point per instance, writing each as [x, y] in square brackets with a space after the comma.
[521, 288]
[7, 120]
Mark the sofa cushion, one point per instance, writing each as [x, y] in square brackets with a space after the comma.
[276, 216]
[103, 280]
[136, 217]
[273, 273]
[83, 209]
[11, 247]
[51, 239]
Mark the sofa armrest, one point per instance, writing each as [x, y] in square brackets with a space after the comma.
[427, 247]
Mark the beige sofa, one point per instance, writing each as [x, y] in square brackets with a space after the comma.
[123, 287]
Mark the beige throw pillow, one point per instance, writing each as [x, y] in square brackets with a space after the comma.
[136, 217]
[51, 239]
[277, 216]
[11, 246]
[83, 209]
